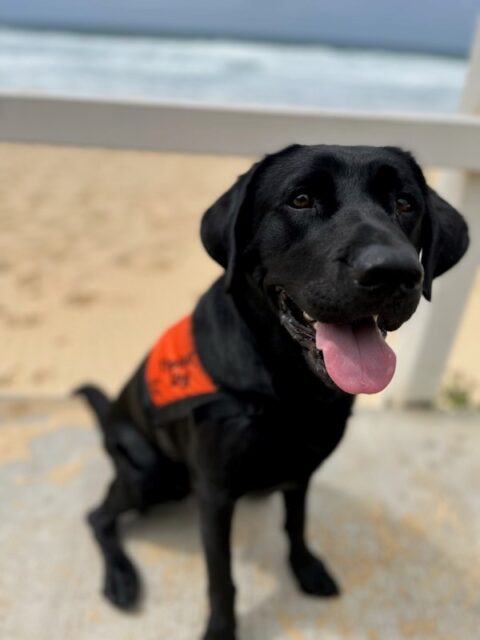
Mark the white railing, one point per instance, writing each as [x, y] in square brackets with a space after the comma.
[448, 141]
[438, 140]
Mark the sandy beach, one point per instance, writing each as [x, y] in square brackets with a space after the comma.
[99, 252]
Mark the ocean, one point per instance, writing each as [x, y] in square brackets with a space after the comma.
[225, 72]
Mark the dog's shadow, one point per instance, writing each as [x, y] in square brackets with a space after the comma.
[396, 581]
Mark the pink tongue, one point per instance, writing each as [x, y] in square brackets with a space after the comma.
[357, 358]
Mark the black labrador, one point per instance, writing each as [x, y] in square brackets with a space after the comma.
[325, 250]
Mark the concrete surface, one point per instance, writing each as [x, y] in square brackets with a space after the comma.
[396, 513]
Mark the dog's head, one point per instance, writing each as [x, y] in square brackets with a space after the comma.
[341, 241]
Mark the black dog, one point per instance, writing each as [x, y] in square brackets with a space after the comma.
[325, 249]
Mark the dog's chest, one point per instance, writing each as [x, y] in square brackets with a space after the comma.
[279, 451]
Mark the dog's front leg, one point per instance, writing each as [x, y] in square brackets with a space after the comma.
[310, 572]
[216, 511]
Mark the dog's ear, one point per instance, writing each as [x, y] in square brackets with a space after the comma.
[445, 239]
[219, 229]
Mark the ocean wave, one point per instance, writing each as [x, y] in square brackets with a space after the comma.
[225, 72]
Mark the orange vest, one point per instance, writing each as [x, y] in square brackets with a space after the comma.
[173, 370]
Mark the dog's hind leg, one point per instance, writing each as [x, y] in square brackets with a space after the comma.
[310, 572]
[121, 583]
[144, 476]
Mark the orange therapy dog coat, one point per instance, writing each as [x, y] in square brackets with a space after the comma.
[173, 371]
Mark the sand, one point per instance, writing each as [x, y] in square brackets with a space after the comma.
[99, 252]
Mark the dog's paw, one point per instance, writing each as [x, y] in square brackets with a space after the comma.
[226, 633]
[122, 586]
[313, 577]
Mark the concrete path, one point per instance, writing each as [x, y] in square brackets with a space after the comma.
[396, 513]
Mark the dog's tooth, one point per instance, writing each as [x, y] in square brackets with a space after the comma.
[307, 317]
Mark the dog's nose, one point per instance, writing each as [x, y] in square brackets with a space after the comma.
[386, 268]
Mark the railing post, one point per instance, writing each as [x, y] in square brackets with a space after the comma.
[424, 344]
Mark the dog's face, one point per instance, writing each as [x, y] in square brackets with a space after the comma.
[341, 241]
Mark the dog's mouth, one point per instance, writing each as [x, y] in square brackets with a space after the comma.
[353, 357]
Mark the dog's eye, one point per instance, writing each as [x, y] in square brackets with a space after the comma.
[402, 205]
[302, 201]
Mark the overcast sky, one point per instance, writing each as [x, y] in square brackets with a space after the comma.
[424, 25]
